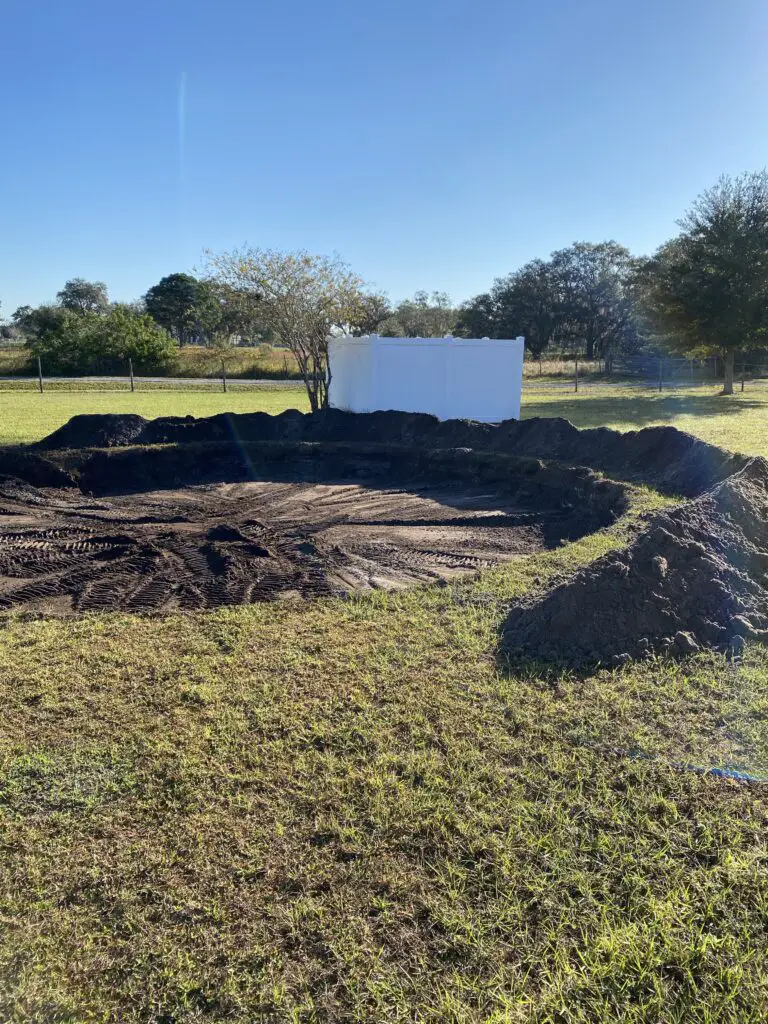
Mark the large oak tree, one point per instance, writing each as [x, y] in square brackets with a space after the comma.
[708, 288]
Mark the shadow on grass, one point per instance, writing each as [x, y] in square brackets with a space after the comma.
[641, 411]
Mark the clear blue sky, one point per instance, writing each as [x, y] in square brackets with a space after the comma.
[432, 143]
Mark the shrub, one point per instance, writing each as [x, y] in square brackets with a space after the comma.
[70, 342]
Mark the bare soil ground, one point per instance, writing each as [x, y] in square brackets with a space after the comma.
[233, 543]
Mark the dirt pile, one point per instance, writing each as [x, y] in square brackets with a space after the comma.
[96, 430]
[697, 577]
[671, 460]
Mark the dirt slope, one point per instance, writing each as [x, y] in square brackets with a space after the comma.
[671, 460]
[696, 577]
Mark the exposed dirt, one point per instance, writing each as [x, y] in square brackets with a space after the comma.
[285, 504]
[671, 460]
[697, 577]
[278, 520]
[96, 430]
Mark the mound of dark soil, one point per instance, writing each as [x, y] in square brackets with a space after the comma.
[697, 577]
[673, 461]
[96, 430]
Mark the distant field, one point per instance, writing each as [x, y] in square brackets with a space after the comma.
[738, 423]
[191, 361]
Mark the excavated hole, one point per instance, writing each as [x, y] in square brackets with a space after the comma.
[202, 525]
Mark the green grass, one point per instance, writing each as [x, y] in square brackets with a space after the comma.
[737, 422]
[350, 811]
[354, 811]
[27, 416]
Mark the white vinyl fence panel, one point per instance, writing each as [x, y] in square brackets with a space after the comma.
[451, 378]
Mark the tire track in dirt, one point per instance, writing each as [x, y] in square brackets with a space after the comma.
[206, 546]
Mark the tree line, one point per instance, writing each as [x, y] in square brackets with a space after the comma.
[702, 293]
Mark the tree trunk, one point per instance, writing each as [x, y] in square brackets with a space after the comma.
[590, 354]
[730, 359]
[311, 385]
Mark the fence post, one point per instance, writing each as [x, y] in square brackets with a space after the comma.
[742, 376]
[539, 365]
[40, 374]
[223, 376]
[130, 370]
[576, 377]
[661, 373]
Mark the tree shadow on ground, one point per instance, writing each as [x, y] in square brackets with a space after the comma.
[641, 411]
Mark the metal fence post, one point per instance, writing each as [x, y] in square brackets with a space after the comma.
[130, 370]
[40, 374]
[576, 377]
[223, 376]
[742, 376]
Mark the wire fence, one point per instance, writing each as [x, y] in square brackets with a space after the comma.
[133, 383]
[641, 375]
[572, 378]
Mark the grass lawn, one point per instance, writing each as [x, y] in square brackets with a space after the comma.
[27, 416]
[349, 811]
[738, 423]
[354, 811]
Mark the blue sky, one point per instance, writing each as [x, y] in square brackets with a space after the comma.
[432, 143]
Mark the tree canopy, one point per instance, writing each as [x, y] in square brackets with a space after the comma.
[70, 342]
[708, 287]
[594, 306]
[81, 296]
[526, 302]
[581, 297]
[173, 303]
[424, 316]
[204, 311]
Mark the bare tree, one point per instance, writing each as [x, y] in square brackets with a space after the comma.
[303, 298]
